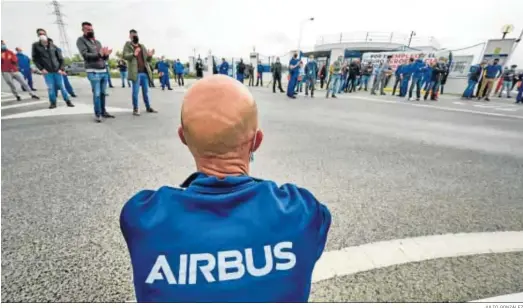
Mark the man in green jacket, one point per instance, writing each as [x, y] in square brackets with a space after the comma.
[139, 72]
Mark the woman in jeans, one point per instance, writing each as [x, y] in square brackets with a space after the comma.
[122, 66]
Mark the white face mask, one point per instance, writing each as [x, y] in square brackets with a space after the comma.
[43, 38]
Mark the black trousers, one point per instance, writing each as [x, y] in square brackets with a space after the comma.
[180, 79]
[276, 78]
[396, 83]
[351, 83]
[251, 80]
[322, 80]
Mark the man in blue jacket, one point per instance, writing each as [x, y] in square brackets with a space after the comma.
[475, 73]
[417, 75]
[163, 70]
[24, 64]
[224, 67]
[492, 72]
[224, 236]
[397, 75]
[294, 72]
[408, 70]
[259, 72]
[179, 70]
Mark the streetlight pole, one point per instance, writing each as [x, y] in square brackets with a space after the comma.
[412, 33]
[302, 24]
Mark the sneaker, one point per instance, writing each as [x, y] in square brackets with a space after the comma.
[69, 104]
[34, 97]
[334, 96]
[34, 90]
[136, 112]
[98, 119]
[487, 99]
[170, 89]
[509, 96]
[52, 106]
[73, 95]
[18, 98]
[417, 99]
[107, 115]
[150, 110]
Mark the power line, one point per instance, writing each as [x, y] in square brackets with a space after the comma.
[64, 41]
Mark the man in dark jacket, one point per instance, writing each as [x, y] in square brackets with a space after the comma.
[94, 58]
[240, 71]
[276, 75]
[49, 60]
[354, 72]
[199, 68]
[365, 76]
[323, 74]
[438, 69]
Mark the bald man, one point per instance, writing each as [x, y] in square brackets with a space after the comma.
[224, 236]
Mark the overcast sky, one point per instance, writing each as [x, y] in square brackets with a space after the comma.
[232, 27]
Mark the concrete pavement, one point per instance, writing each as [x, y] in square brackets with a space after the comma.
[386, 168]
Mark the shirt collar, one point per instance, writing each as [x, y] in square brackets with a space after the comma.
[201, 182]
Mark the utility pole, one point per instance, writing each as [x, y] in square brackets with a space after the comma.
[64, 41]
[412, 33]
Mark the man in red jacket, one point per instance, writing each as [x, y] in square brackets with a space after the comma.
[10, 72]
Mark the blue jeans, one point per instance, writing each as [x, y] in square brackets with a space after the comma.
[68, 85]
[141, 81]
[506, 85]
[98, 84]
[469, 91]
[292, 84]
[364, 81]
[54, 81]
[334, 84]
[239, 77]
[416, 82]
[519, 98]
[123, 76]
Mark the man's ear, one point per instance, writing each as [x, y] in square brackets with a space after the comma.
[258, 140]
[180, 134]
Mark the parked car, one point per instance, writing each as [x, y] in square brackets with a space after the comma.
[75, 68]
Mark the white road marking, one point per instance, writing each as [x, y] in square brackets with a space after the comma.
[458, 103]
[79, 108]
[352, 260]
[507, 109]
[25, 104]
[508, 298]
[485, 106]
[7, 95]
[438, 107]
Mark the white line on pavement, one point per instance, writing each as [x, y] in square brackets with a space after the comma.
[80, 108]
[437, 107]
[484, 106]
[508, 298]
[24, 104]
[355, 259]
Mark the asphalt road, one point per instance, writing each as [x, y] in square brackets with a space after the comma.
[386, 168]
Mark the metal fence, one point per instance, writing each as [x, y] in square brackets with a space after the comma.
[377, 37]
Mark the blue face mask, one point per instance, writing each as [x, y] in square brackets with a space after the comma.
[4, 47]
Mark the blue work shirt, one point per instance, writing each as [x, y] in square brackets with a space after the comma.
[24, 63]
[311, 69]
[259, 68]
[417, 68]
[295, 71]
[493, 70]
[224, 68]
[399, 70]
[237, 239]
[475, 72]
[408, 70]
[163, 67]
[178, 68]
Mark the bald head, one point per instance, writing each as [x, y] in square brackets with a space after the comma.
[219, 118]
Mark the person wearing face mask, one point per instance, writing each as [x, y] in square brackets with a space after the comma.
[492, 72]
[240, 71]
[224, 236]
[140, 73]
[334, 78]
[508, 75]
[179, 70]
[49, 60]
[311, 73]
[474, 75]
[294, 72]
[10, 72]
[276, 71]
[24, 64]
[199, 68]
[94, 56]
[163, 71]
